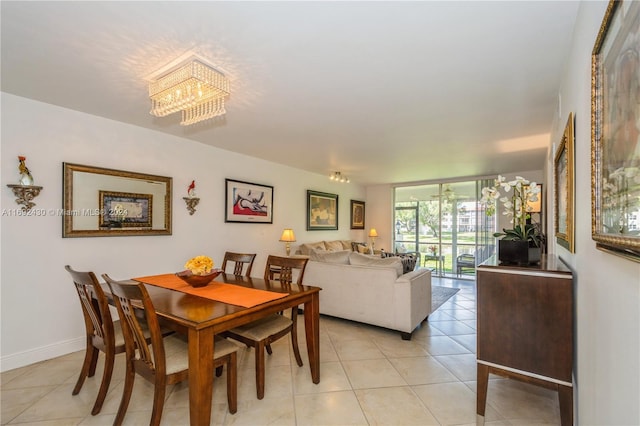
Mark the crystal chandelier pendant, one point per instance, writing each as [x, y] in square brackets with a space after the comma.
[196, 89]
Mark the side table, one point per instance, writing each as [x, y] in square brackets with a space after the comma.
[438, 258]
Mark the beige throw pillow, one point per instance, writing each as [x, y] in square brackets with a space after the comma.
[364, 260]
[364, 249]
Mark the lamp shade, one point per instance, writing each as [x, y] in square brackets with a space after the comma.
[535, 206]
[288, 236]
[373, 232]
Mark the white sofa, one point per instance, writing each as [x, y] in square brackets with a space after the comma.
[373, 291]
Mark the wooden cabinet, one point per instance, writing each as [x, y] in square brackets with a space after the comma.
[525, 327]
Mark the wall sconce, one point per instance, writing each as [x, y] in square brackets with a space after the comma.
[288, 237]
[373, 234]
[191, 199]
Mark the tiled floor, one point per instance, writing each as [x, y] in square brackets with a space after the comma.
[369, 376]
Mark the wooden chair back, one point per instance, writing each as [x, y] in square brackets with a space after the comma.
[146, 361]
[151, 362]
[100, 332]
[283, 268]
[240, 260]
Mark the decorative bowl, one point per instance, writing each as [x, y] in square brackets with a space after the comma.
[198, 280]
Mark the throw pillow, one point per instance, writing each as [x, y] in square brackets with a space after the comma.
[346, 244]
[306, 248]
[333, 245]
[355, 245]
[408, 262]
[341, 257]
[364, 260]
[364, 249]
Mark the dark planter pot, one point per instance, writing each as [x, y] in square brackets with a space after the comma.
[518, 253]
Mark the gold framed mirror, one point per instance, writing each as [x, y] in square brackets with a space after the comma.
[100, 202]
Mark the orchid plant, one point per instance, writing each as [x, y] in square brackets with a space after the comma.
[517, 195]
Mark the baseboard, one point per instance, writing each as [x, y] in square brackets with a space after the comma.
[42, 353]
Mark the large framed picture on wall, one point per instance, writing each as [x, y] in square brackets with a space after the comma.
[615, 130]
[248, 202]
[322, 211]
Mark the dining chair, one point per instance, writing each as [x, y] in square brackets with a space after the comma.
[260, 334]
[102, 333]
[239, 260]
[166, 360]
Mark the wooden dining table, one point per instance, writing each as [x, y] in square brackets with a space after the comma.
[201, 318]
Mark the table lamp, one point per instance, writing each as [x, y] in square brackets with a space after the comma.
[288, 237]
[373, 234]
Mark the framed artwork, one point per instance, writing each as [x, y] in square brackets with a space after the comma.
[322, 211]
[615, 131]
[125, 210]
[247, 202]
[564, 188]
[357, 214]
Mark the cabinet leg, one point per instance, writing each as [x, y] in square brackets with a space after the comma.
[483, 383]
[565, 396]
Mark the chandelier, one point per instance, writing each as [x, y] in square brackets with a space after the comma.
[339, 177]
[194, 88]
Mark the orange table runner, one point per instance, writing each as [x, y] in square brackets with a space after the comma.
[221, 292]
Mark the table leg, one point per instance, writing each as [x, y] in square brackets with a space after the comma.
[200, 376]
[482, 384]
[312, 331]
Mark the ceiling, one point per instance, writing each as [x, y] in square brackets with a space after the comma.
[385, 92]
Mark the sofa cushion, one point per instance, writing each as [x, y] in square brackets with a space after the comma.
[306, 248]
[341, 257]
[346, 244]
[365, 260]
[333, 245]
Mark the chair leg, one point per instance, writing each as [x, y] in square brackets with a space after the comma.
[296, 350]
[232, 382]
[294, 336]
[90, 354]
[260, 348]
[160, 388]
[268, 348]
[129, 378]
[219, 371]
[106, 380]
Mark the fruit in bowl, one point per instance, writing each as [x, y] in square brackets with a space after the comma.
[198, 280]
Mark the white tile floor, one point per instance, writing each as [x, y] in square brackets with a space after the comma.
[369, 376]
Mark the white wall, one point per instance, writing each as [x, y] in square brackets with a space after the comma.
[40, 312]
[607, 286]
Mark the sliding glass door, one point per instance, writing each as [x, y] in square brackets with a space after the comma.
[446, 224]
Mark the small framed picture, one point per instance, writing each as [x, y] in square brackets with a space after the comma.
[125, 210]
[357, 214]
[563, 179]
[247, 202]
[322, 211]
